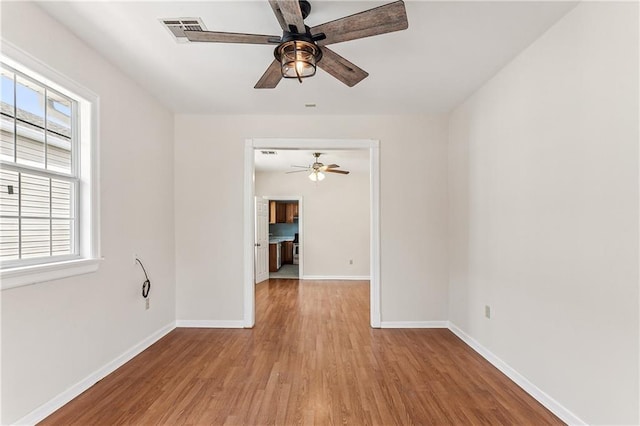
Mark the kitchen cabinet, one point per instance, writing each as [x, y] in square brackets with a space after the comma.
[291, 212]
[277, 212]
[287, 252]
[282, 212]
[275, 260]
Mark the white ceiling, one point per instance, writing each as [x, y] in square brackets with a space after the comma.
[351, 160]
[450, 49]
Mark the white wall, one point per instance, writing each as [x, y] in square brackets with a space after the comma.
[335, 223]
[543, 183]
[209, 165]
[57, 333]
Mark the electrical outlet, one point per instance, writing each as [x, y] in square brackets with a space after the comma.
[350, 261]
[487, 311]
[146, 303]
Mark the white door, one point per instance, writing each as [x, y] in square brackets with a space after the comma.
[262, 240]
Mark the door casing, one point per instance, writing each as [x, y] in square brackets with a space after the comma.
[373, 146]
[261, 256]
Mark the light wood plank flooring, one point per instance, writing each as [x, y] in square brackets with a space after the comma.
[311, 359]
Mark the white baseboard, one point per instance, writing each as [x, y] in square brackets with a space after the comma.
[414, 324]
[337, 277]
[55, 403]
[210, 324]
[551, 404]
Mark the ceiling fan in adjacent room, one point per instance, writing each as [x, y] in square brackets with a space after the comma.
[300, 48]
[317, 169]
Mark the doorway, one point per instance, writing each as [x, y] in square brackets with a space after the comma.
[249, 216]
[285, 225]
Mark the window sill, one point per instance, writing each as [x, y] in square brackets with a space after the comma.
[27, 275]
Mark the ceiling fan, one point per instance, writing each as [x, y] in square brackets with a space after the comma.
[317, 169]
[301, 48]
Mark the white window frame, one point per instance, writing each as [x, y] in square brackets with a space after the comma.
[88, 258]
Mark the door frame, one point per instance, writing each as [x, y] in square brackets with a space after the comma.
[373, 145]
[297, 198]
[256, 249]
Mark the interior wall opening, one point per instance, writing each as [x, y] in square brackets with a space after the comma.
[288, 185]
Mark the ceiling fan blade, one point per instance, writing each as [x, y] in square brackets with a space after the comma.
[329, 166]
[296, 171]
[380, 20]
[271, 77]
[292, 15]
[302, 167]
[278, 13]
[340, 68]
[222, 37]
[342, 172]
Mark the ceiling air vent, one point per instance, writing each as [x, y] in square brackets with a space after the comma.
[177, 27]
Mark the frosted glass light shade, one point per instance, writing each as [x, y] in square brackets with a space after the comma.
[316, 176]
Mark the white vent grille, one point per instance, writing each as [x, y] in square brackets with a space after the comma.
[177, 27]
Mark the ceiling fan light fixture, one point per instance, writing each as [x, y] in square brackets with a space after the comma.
[316, 176]
[298, 58]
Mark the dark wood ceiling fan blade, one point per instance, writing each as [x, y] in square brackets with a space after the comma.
[342, 172]
[292, 14]
[340, 68]
[278, 13]
[271, 77]
[222, 37]
[329, 166]
[380, 20]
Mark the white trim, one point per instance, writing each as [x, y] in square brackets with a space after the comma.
[210, 324]
[249, 291]
[414, 324]
[63, 398]
[302, 143]
[249, 193]
[538, 394]
[375, 302]
[34, 274]
[336, 277]
[19, 59]
[87, 136]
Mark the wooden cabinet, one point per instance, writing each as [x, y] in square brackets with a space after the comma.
[277, 212]
[283, 212]
[291, 212]
[287, 252]
[274, 257]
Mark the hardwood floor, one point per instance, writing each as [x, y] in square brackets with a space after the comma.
[311, 359]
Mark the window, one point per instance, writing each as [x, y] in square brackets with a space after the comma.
[39, 179]
[48, 226]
